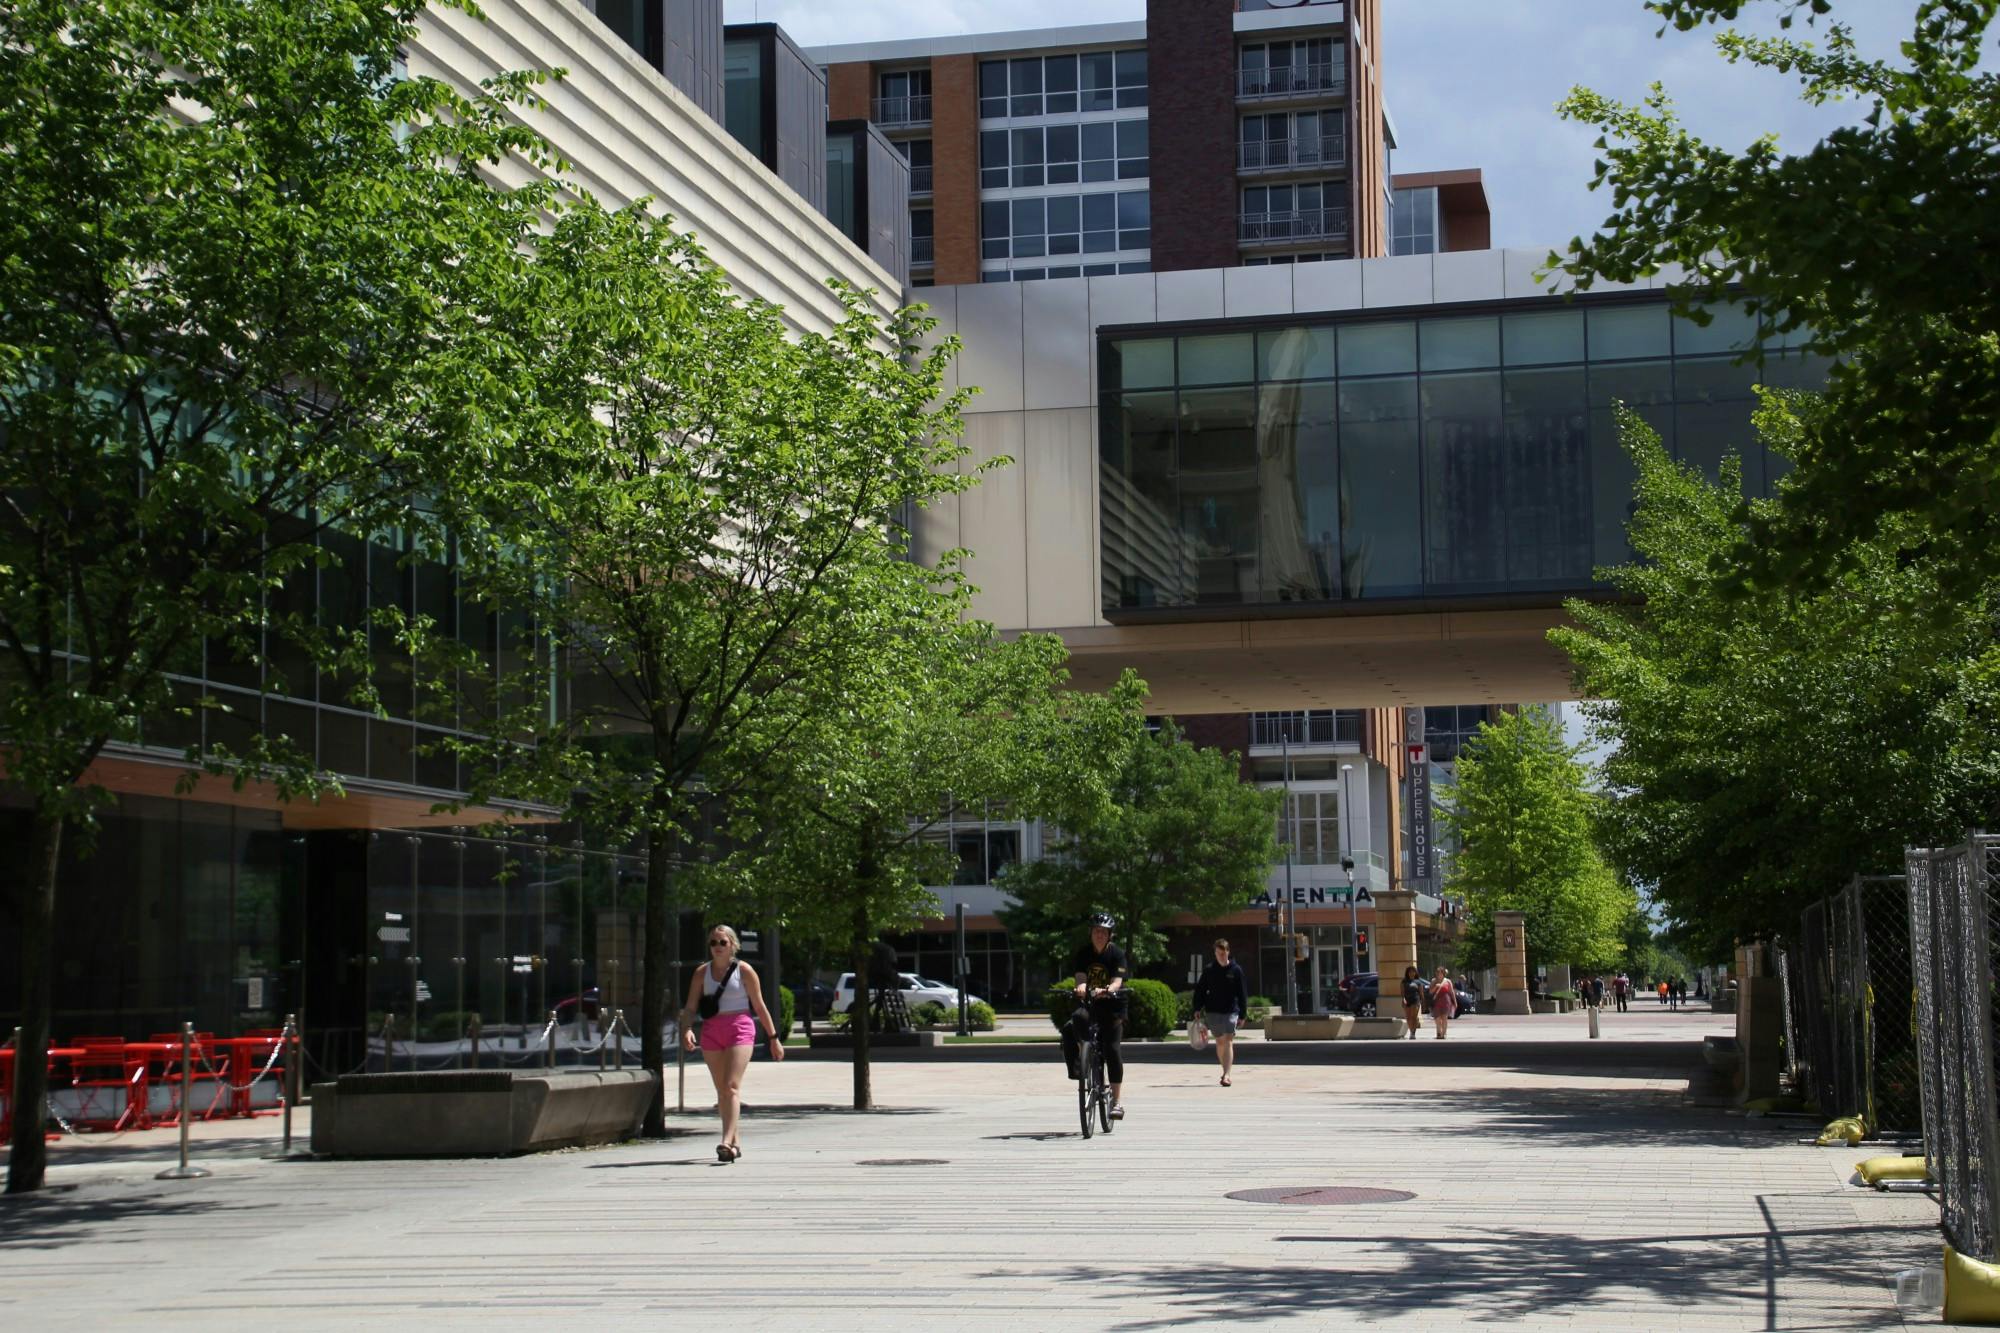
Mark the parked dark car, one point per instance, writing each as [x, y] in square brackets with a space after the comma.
[822, 998]
[1358, 993]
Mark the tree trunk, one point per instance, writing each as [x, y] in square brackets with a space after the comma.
[859, 951]
[661, 922]
[29, 1158]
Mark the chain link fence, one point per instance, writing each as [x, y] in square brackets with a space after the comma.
[1955, 929]
[1847, 982]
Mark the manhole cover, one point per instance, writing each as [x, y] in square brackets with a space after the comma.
[1321, 1196]
[905, 1161]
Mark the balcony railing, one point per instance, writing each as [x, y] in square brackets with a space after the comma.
[902, 110]
[1291, 80]
[1341, 727]
[920, 180]
[1307, 224]
[1280, 154]
[923, 249]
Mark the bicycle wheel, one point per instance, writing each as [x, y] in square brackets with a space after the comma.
[1085, 1051]
[1103, 1090]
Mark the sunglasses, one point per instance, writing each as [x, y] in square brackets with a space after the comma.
[718, 944]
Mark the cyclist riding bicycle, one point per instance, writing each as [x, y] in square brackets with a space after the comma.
[1099, 970]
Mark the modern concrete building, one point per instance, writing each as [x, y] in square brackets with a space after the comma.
[231, 908]
[1209, 135]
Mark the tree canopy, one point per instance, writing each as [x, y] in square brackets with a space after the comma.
[1875, 245]
[1525, 821]
[1762, 752]
[1183, 832]
[245, 268]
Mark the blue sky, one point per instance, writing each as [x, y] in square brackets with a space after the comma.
[1470, 83]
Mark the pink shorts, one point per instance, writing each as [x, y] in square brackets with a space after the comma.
[727, 1030]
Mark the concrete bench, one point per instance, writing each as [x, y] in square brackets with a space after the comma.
[1308, 1027]
[1724, 1054]
[476, 1113]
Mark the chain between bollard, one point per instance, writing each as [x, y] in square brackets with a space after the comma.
[184, 1171]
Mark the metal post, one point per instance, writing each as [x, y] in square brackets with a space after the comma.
[958, 965]
[292, 1044]
[618, 1027]
[549, 1041]
[415, 964]
[388, 1043]
[184, 1171]
[1291, 837]
[472, 1031]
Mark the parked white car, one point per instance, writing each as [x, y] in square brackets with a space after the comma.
[916, 991]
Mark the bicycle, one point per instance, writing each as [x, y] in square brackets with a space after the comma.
[1093, 1089]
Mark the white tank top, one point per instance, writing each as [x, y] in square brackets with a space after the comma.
[735, 1000]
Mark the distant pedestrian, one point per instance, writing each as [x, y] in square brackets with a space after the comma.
[1597, 992]
[1413, 999]
[1222, 998]
[1663, 994]
[1444, 1001]
[1700, 986]
[1680, 991]
[1621, 991]
[725, 992]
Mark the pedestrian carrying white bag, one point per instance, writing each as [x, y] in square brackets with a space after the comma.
[1197, 1033]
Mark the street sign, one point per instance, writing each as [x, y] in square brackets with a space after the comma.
[1420, 814]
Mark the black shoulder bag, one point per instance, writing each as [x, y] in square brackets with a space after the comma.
[711, 1001]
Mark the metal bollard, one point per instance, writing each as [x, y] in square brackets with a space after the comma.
[388, 1043]
[549, 1041]
[472, 1031]
[618, 1026]
[603, 1038]
[1593, 1019]
[292, 1046]
[184, 1171]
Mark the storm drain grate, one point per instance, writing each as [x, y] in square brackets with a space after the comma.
[1321, 1196]
[905, 1161]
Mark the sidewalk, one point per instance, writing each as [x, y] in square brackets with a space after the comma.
[1594, 1195]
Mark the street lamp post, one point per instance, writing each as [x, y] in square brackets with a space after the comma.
[1347, 865]
[1291, 837]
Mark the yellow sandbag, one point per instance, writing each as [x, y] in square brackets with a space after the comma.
[1893, 1167]
[1848, 1130]
[1971, 1290]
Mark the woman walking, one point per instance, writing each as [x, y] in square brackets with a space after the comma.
[725, 993]
[1444, 1001]
[1222, 997]
[1413, 999]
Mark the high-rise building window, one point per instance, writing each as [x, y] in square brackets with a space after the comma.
[1062, 85]
[917, 152]
[1292, 139]
[743, 91]
[1284, 69]
[903, 97]
[1035, 155]
[1413, 222]
[922, 233]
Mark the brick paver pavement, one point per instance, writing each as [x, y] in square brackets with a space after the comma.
[1555, 1184]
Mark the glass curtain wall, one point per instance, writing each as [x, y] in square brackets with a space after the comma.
[1461, 455]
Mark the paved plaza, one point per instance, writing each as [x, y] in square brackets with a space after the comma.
[1557, 1182]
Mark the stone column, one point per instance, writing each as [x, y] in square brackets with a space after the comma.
[1760, 1027]
[1510, 952]
[1394, 945]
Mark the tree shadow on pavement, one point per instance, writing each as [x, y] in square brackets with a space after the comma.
[1777, 1279]
[48, 1221]
[1585, 1118]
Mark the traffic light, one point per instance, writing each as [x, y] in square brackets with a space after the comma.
[1271, 916]
[1299, 953]
[1361, 941]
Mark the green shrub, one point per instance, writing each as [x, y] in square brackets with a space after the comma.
[787, 1009]
[1183, 1008]
[930, 1015]
[1149, 1012]
[980, 1017]
[1260, 1009]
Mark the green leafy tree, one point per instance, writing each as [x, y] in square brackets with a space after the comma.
[705, 531]
[1183, 833]
[249, 274]
[942, 713]
[1875, 245]
[1761, 752]
[1523, 812]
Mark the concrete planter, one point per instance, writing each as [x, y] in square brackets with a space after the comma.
[1379, 1029]
[476, 1113]
[1309, 1027]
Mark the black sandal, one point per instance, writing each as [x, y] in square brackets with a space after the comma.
[723, 1153]
[1225, 1080]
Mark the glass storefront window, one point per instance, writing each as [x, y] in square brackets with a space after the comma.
[1378, 349]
